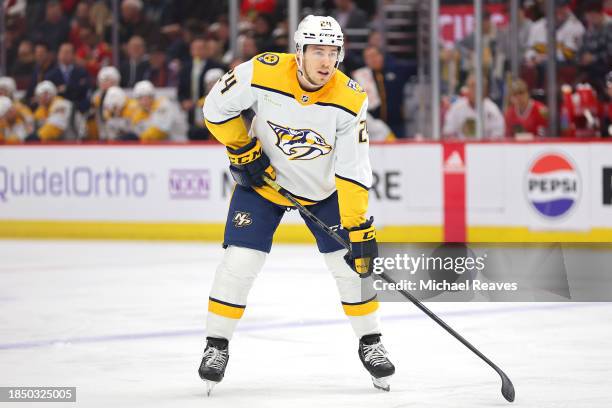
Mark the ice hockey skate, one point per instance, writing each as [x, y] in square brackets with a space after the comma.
[375, 359]
[214, 361]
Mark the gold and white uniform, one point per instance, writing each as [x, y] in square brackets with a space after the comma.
[52, 122]
[317, 142]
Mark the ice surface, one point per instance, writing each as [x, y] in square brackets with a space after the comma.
[124, 322]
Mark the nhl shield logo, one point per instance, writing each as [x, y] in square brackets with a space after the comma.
[300, 144]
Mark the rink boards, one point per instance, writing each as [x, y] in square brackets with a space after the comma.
[498, 191]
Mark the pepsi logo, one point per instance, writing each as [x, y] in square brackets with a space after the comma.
[553, 185]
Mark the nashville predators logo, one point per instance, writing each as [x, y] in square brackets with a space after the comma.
[300, 144]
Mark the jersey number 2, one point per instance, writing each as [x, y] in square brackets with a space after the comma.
[363, 132]
[229, 80]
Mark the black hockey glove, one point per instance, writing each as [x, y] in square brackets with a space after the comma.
[249, 164]
[363, 248]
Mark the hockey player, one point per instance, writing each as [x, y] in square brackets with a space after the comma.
[309, 134]
[117, 111]
[52, 117]
[107, 77]
[153, 118]
[14, 125]
[20, 115]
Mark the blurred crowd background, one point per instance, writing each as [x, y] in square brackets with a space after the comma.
[62, 80]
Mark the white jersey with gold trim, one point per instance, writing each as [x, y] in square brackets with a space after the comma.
[317, 142]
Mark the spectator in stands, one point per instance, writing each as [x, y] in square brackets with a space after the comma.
[179, 48]
[160, 73]
[353, 58]
[383, 79]
[607, 114]
[132, 22]
[460, 119]
[191, 83]
[93, 53]
[569, 36]
[349, 16]
[353, 20]
[280, 39]
[262, 32]
[54, 30]
[214, 48]
[44, 60]
[248, 47]
[595, 54]
[210, 78]
[52, 117]
[220, 31]
[257, 6]
[100, 17]
[154, 118]
[524, 28]
[15, 124]
[79, 20]
[72, 80]
[492, 59]
[137, 67]
[21, 69]
[525, 118]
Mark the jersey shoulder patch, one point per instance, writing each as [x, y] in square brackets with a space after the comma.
[354, 85]
[268, 58]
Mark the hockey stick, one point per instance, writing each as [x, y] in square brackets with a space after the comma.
[507, 389]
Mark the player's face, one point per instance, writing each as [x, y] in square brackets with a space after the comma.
[45, 99]
[520, 99]
[146, 102]
[319, 63]
[107, 83]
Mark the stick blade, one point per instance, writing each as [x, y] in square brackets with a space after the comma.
[507, 389]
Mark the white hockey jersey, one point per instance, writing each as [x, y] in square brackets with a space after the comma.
[53, 121]
[317, 142]
[460, 120]
[156, 124]
[569, 37]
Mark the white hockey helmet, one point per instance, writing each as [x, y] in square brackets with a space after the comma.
[8, 86]
[109, 74]
[320, 30]
[45, 87]
[144, 88]
[5, 105]
[115, 98]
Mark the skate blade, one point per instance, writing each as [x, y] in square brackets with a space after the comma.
[209, 386]
[382, 383]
